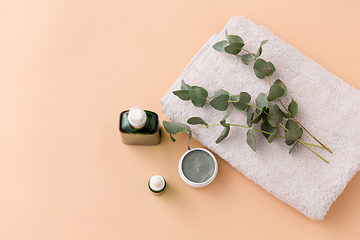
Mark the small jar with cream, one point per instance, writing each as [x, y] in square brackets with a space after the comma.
[198, 167]
[157, 184]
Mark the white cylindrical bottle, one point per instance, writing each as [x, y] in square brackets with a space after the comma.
[157, 184]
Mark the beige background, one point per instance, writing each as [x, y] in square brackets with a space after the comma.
[68, 68]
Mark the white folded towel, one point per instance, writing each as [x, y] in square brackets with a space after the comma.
[328, 108]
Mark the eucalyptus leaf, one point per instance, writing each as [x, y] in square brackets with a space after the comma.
[223, 134]
[274, 135]
[175, 127]
[220, 92]
[227, 114]
[196, 120]
[172, 138]
[287, 115]
[263, 68]
[282, 85]
[220, 46]
[234, 48]
[235, 98]
[275, 115]
[259, 116]
[275, 92]
[184, 86]
[261, 102]
[182, 94]
[294, 132]
[250, 116]
[251, 139]
[273, 130]
[220, 101]
[223, 120]
[190, 135]
[257, 119]
[260, 49]
[293, 108]
[198, 96]
[247, 58]
[292, 148]
[234, 39]
[244, 96]
[242, 101]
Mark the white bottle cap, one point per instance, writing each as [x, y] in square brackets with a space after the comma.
[157, 183]
[137, 117]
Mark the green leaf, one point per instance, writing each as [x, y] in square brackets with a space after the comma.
[190, 135]
[250, 116]
[220, 101]
[198, 96]
[273, 135]
[274, 131]
[275, 92]
[275, 115]
[235, 98]
[293, 108]
[261, 102]
[259, 116]
[250, 139]
[294, 132]
[196, 120]
[223, 134]
[182, 94]
[234, 38]
[220, 46]
[227, 114]
[175, 127]
[293, 147]
[260, 49]
[263, 68]
[220, 92]
[234, 48]
[247, 58]
[172, 138]
[223, 120]
[245, 97]
[287, 115]
[184, 86]
[282, 85]
[242, 101]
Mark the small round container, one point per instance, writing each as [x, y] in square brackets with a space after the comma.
[198, 167]
[157, 184]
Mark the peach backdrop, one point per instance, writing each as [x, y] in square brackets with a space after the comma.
[68, 68]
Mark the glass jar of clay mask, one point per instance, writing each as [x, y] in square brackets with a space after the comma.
[198, 167]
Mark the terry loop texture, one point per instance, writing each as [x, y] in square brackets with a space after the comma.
[328, 108]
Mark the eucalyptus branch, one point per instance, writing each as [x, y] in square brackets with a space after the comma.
[302, 125]
[266, 77]
[270, 114]
[259, 130]
[174, 128]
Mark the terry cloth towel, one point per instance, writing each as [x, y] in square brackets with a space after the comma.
[328, 108]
